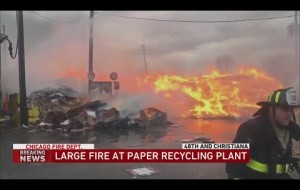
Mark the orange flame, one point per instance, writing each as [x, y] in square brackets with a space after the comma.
[211, 95]
[216, 94]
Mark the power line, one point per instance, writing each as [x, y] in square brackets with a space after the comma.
[55, 20]
[168, 20]
[201, 21]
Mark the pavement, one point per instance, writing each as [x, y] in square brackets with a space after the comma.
[159, 137]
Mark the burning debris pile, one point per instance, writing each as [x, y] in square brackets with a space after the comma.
[151, 117]
[62, 109]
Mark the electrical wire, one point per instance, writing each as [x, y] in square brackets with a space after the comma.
[11, 49]
[55, 20]
[201, 21]
[169, 20]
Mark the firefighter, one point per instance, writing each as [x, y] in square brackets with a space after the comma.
[270, 135]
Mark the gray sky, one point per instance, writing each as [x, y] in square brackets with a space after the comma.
[60, 41]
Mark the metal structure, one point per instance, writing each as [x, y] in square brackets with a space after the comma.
[91, 74]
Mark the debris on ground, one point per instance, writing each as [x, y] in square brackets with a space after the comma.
[62, 111]
[137, 145]
[143, 171]
[196, 139]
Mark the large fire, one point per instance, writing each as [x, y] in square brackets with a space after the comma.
[211, 95]
[214, 95]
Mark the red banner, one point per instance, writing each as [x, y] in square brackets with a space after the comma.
[130, 155]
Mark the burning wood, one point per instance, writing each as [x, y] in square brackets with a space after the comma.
[151, 117]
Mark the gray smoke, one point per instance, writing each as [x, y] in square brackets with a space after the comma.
[130, 105]
[56, 48]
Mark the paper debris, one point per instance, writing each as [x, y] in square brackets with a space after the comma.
[144, 171]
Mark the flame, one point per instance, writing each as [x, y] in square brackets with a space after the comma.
[211, 95]
[216, 94]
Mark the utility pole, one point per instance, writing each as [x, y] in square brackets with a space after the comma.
[0, 70]
[4, 46]
[296, 32]
[22, 78]
[91, 74]
[144, 53]
[297, 44]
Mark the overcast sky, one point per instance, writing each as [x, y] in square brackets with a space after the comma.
[58, 40]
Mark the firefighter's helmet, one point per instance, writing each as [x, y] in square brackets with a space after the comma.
[282, 97]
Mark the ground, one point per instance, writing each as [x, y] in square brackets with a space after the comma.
[157, 137]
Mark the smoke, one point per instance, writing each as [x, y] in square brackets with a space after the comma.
[282, 67]
[47, 54]
[225, 63]
[56, 53]
[296, 85]
[130, 105]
